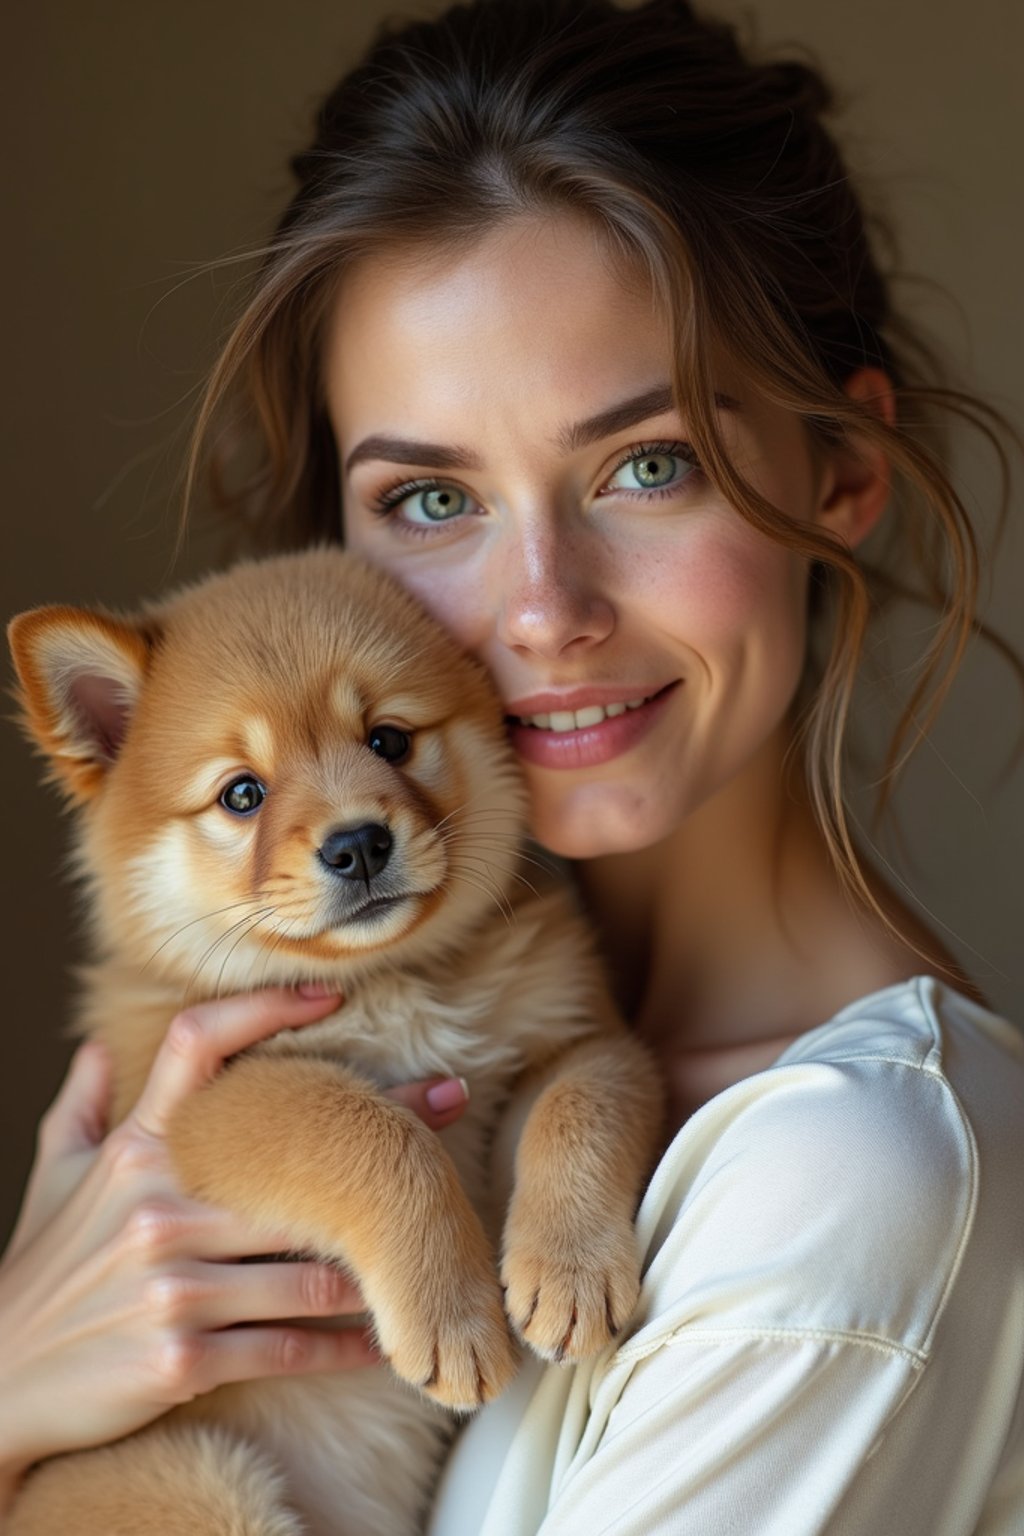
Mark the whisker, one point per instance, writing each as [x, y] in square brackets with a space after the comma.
[267, 951]
[280, 935]
[539, 861]
[512, 875]
[548, 866]
[493, 815]
[204, 917]
[467, 880]
[458, 845]
[522, 880]
[482, 872]
[243, 935]
[444, 819]
[292, 907]
[465, 814]
[487, 887]
[209, 952]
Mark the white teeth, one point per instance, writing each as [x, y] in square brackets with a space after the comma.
[579, 719]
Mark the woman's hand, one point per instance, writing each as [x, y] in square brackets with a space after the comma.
[119, 1296]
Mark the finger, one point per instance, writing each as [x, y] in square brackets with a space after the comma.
[77, 1119]
[196, 1230]
[262, 1293]
[219, 1236]
[438, 1100]
[201, 1039]
[242, 1354]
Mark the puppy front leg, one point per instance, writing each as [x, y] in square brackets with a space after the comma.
[310, 1148]
[570, 1264]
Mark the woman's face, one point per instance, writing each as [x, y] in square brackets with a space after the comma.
[510, 453]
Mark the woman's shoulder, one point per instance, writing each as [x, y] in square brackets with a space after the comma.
[915, 1021]
[840, 1190]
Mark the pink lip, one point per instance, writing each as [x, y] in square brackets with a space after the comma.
[579, 698]
[594, 744]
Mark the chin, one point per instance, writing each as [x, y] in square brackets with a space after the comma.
[595, 820]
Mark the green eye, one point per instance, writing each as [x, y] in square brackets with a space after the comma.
[423, 503]
[654, 469]
[390, 743]
[440, 504]
[243, 796]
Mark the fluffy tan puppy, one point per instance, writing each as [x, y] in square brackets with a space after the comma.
[289, 773]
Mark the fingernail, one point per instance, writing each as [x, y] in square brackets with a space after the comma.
[316, 989]
[449, 1094]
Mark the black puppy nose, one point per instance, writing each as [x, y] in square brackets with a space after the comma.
[358, 853]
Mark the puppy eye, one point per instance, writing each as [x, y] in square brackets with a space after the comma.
[390, 743]
[243, 796]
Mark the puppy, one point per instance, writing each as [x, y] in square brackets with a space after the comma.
[288, 773]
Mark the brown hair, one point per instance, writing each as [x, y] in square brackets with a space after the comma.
[715, 173]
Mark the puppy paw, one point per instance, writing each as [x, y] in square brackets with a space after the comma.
[454, 1344]
[568, 1294]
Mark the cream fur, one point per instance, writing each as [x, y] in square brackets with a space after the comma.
[280, 669]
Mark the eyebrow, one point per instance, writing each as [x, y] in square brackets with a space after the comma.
[628, 413]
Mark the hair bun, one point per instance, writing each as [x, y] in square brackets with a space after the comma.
[802, 85]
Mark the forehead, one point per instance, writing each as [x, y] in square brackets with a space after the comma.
[306, 636]
[538, 325]
[266, 711]
[537, 311]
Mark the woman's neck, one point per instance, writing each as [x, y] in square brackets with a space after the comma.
[734, 935]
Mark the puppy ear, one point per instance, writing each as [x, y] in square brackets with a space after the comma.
[81, 674]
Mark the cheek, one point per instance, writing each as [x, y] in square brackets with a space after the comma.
[167, 892]
[723, 588]
[452, 598]
[450, 589]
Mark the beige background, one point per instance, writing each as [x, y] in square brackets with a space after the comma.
[147, 140]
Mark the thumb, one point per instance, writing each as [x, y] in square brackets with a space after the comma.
[77, 1118]
[437, 1100]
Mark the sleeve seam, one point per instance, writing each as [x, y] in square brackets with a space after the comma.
[927, 1012]
[688, 1334]
[969, 1151]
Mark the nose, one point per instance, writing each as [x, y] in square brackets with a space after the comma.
[553, 597]
[357, 853]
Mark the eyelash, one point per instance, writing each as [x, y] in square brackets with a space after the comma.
[387, 499]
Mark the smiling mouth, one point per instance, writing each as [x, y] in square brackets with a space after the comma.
[564, 720]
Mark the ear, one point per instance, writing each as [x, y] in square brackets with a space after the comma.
[81, 674]
[856, 478]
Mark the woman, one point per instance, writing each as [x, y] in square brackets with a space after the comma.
[574, 320]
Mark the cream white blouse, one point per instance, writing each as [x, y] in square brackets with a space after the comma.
[830, 1335]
